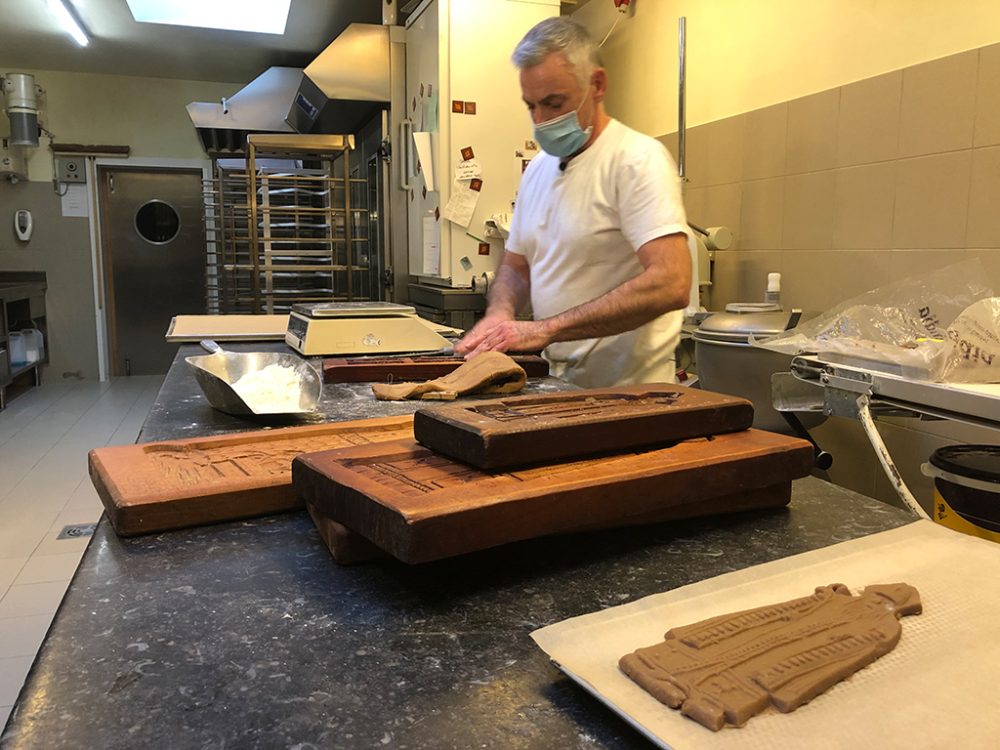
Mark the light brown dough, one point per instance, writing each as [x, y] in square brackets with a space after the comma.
[728, 668]
[489, 372]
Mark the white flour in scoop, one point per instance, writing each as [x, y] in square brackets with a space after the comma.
[271, 390]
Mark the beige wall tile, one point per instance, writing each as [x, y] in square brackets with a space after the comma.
[904, 263]
[696, 148]
[938, 106]
[812, 133]
[807, 221]
[764, 142]
[725, 280]
[694, 202]
[741, 276]
[984, 198]
[991, 261]
[721, 208]
[804, 282]
[670, 141]
[868, 123]
[725, 150]
[714, 152]
[987, 131]
[761, 214]
[863, 206]
[932, 194]
[853, 272]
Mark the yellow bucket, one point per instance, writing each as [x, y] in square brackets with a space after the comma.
[967, 488]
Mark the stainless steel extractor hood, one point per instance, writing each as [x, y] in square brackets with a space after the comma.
[336, 93]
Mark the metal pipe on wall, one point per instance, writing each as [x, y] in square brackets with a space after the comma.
[681, 114]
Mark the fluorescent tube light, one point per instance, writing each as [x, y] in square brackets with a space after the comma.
[69, 23]
[262, 16]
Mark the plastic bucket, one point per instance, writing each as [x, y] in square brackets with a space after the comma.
[967, 488]
[32, 344]
[18, 350]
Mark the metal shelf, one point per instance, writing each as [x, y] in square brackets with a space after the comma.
[280, 236]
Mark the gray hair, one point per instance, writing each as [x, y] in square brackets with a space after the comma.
[559, 34]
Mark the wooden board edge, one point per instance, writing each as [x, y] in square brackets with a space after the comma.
[345, 546]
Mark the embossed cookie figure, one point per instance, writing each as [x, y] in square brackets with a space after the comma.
[727, 669]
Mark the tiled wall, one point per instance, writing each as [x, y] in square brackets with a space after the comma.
[845, 190]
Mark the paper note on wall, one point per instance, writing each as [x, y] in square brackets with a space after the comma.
[432, 246]
[74, 201]
[462, 204]
[468, 169]
[422, 143]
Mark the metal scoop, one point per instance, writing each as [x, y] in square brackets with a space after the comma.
[217, 372]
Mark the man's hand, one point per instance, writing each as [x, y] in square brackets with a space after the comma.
[494, 333]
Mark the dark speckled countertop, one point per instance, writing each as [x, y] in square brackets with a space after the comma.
[248, 635]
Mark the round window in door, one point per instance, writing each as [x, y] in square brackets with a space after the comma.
[157, 222]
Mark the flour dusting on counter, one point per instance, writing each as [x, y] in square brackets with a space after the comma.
[271, 390]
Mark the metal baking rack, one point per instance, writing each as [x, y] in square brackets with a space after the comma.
[279, 236]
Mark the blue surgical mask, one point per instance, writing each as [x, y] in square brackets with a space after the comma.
[562, 135]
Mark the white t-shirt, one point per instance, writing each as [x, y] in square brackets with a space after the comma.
[579, 229]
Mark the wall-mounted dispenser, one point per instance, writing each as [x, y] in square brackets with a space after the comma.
[24, 224]
[22, 95]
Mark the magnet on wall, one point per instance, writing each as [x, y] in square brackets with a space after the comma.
[468, 153]
[484, 248]
[470, 108]
[475, 184]
[457, 106]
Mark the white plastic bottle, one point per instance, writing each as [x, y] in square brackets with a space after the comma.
[773, 292]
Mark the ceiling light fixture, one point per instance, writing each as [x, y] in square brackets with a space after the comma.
[262, 16]
[70, 23]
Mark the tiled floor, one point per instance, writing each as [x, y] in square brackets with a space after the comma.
[45, 434]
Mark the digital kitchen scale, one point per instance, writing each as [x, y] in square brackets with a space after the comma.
[326, 328]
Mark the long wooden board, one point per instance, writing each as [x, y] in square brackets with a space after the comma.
[421, 506]
[517, 430]
[173, 484]
[350, 548]
[403, 369]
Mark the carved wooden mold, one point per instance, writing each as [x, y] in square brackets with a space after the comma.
[518, 430]
[421, 506]
[167, 485]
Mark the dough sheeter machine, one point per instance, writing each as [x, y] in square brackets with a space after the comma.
[857, 390]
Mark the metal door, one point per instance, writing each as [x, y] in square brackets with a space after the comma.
[153, 239]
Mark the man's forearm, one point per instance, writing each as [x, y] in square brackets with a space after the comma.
[624, 308]
[508, 293]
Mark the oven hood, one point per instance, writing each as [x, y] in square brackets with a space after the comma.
[336, 93]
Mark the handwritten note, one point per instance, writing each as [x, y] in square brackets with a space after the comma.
[468, 169]
[463, 201]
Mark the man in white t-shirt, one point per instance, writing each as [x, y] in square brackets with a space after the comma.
[599, 238]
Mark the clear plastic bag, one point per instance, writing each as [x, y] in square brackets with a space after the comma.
[943, 326]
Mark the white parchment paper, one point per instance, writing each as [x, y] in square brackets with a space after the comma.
[939, 688]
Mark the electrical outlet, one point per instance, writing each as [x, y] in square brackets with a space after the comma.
[70, 169]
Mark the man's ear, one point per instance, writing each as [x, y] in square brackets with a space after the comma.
[599, 80]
